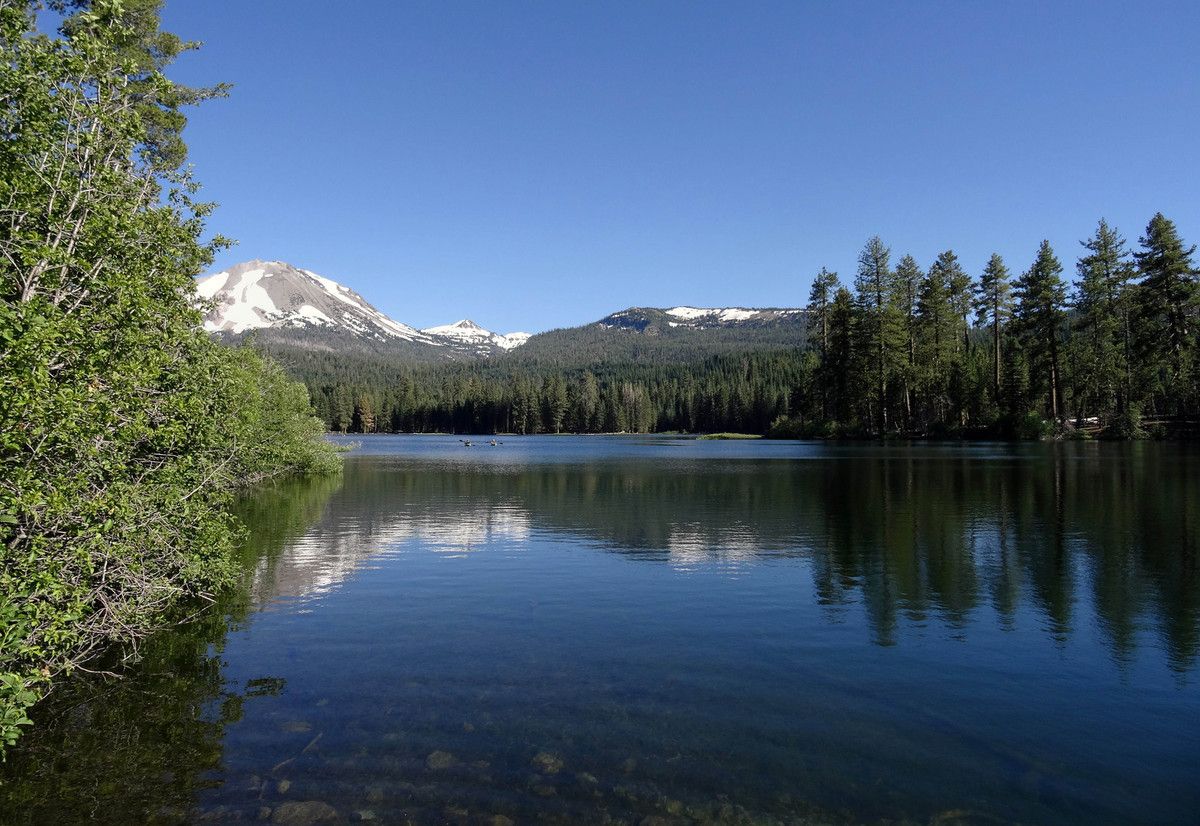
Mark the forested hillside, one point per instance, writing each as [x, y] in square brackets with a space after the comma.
[649, 336]
[124, 430]
[903, 349]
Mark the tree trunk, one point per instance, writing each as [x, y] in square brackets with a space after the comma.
[1054, 382]
[996, 354]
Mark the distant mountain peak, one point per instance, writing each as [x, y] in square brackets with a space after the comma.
[471, 334]
[259, 294]
[264, 295]
[641, 318]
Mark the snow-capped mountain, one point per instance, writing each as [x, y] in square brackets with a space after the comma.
[676, 335]
[296, 310]
[699, 318]
[471, 334]
[274, 295]
[257, 294]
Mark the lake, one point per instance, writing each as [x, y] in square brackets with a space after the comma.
[654, 630]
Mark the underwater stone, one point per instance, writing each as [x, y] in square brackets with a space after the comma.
[303, 813]
[440, 760]
[547, 763]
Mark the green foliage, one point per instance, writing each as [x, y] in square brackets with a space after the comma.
[880, 326]
[123, 429]
[1032, 356]
[1099, 344]
[1168, 316]
[1040, 322]
[993, 308]
[825, 288]
[936, 338]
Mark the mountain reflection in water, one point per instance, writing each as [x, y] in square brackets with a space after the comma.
[695, 631]
[910, 536]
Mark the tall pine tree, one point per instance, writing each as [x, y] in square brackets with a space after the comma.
[908, 286]
[880, 324]
[1169, 301]
[937, 340]
[1041, 297]
[993, 309]
[1100, 338]
[820, 300]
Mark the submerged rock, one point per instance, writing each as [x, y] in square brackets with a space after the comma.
[654, 820]
[500, 820]
[547, 763]
[440, 760]
[217, 814]
[303, 813]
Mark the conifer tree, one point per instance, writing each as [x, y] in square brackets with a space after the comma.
[908, 286]
[589, 402]
[820, 299]
[554, 397]
[1100, 338]
[841, 355]
[879, 324]
[1169, 294]
[364, 415]
[993, 308]
[341, 404]
[1041, 297]
[824, 286]
[958, 296]
[935, 324]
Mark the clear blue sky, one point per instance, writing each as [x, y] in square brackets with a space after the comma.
[533, 165]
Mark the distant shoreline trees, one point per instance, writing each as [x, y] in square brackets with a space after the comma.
[897, 356]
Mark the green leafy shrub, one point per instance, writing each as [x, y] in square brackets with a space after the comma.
[123, 429]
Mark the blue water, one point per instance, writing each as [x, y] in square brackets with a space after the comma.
[658, 630]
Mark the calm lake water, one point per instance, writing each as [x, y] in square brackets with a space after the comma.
[656, 630]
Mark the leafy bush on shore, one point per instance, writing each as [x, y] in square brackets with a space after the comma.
[124, 431]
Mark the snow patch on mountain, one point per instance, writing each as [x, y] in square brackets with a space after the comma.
[272, 294]
[260, 294]
[468, 333]
[707, 313]
[699, 318]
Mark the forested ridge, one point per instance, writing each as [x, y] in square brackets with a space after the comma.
[124, 430]
[902, 350]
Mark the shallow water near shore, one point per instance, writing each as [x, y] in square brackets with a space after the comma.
[663, 630]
